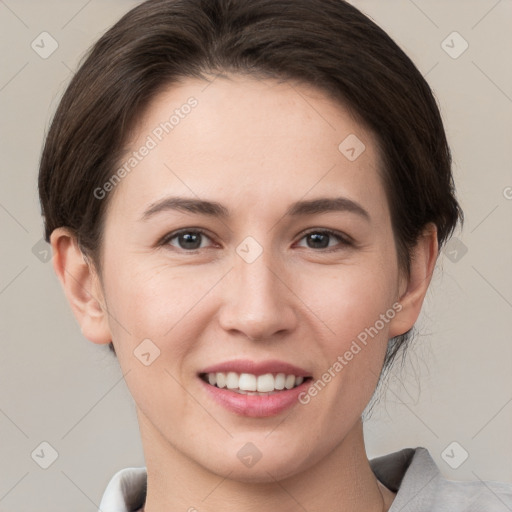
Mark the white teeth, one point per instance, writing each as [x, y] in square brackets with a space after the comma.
[266, 383]
[232, 380]
[289, 382]
[221, 379]
[280, 380]
[247, 383]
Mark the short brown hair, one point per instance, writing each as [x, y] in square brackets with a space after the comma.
[325, 43]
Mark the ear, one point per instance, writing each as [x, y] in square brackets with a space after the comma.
[81, 286]
[414, 289]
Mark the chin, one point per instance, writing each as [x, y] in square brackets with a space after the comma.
[262, 472]
[243, 461]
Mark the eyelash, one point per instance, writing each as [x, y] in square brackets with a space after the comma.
[344, 240]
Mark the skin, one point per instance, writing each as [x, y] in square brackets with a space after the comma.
[255, 147]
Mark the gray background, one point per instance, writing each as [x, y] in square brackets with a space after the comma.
[57, 387]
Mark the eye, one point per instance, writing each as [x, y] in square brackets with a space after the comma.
[188, 240]
[324, 239]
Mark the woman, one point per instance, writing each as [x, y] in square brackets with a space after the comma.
[246, 201]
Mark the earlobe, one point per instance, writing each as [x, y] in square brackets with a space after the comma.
[423, 260]
[81, 286]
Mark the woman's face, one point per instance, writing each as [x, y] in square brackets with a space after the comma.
[244, 239]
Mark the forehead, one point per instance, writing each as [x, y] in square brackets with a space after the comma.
[255, 138]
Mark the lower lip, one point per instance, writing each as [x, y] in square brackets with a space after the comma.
[255, 406]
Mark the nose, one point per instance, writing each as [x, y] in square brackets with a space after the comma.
[258, 300]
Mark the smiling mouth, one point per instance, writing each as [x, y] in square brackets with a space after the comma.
[250, 384]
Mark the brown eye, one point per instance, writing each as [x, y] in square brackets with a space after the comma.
[318, 240]
[189, 240]
[323, 240]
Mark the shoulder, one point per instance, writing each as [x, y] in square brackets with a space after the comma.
[411, 473]
[420, 487]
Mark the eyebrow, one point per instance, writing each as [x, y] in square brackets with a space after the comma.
[214, 209]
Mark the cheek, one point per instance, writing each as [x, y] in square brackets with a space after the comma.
[350, 299]
[355, 304]
[158, 302]
[169, 307]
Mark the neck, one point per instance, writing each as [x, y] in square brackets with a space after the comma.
[341, 481]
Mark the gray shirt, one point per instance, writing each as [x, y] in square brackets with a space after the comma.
[411, 473]
[420, 487]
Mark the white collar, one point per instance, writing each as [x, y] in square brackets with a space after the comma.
[126, 491]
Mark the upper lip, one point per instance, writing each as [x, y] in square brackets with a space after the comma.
[257, 368]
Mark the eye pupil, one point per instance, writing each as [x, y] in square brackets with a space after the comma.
[318, 240]
[190, 240]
